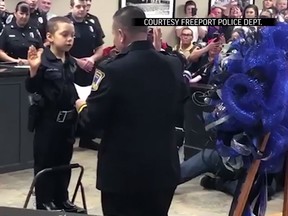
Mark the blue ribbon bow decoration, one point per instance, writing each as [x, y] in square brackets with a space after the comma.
[252, 101]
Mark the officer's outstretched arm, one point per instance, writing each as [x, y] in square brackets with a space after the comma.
[95, 114]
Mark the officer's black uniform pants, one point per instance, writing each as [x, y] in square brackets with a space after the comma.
[53, 146]
[154, 203]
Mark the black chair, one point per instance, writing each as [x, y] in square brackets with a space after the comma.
[57, 169]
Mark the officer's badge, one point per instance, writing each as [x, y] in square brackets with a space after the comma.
[92, 21]
[9, 19]
[91, 29]
[40, 20]
[32, 34]
[98, 77]
[38, 32]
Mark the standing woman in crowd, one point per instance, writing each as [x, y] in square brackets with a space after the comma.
[250, 11]
[18, 36]
[234, 11]
[190, 10]
[267, 4]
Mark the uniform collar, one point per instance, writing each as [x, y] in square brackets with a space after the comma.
[15, 26]
[73, 20]
[51, 57]
[138, 45]
[36, 12]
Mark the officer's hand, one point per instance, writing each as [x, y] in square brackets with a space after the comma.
[34, 59]
[89, 64]
[46, 43]
[79, 103]
[82, 64]
[157, 38]
[23, 62]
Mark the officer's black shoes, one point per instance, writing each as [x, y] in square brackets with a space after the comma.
[50, 206]
[70, 207]
[88, 144]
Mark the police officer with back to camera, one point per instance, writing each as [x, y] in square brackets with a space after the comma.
[134, 100]
[87, 49]
[18, 36]
[37, 19]
[94, 19]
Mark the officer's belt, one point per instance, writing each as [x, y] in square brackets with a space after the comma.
[60, 116]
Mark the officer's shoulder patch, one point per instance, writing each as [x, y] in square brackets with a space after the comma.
[38, 32]
[9, 19]
[98, 77]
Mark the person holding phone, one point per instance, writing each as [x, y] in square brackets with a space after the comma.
[190, 10]
[215, 31]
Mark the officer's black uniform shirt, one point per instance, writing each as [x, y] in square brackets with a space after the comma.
[37, 20]
[3, 17]
[88, 37]
[55, 81]
[15, 40]
[95, 20]
[134, 99]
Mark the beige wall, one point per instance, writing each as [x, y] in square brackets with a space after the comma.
[105, 9]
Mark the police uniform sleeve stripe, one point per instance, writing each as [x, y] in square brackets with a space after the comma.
[81, 108]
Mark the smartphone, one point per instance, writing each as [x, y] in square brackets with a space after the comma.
[216, 36]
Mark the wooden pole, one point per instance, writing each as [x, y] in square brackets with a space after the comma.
[285, 201]
[247, 185]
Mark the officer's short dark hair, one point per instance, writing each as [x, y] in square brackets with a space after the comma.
[72, 2]
[52, 25]
[22, 5]
[125, 18]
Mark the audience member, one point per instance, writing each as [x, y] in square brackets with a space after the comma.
[44, 6]
[94, 19]
[17, 37]
[185, 45]
[250, 11]
[267, 4]
[190, 10]
[281, 5]
[215, 31]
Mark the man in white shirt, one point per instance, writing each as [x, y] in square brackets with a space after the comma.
[45, 6]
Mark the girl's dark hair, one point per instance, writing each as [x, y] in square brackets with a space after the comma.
[188, 3]
[22, 5]
[254, 7]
